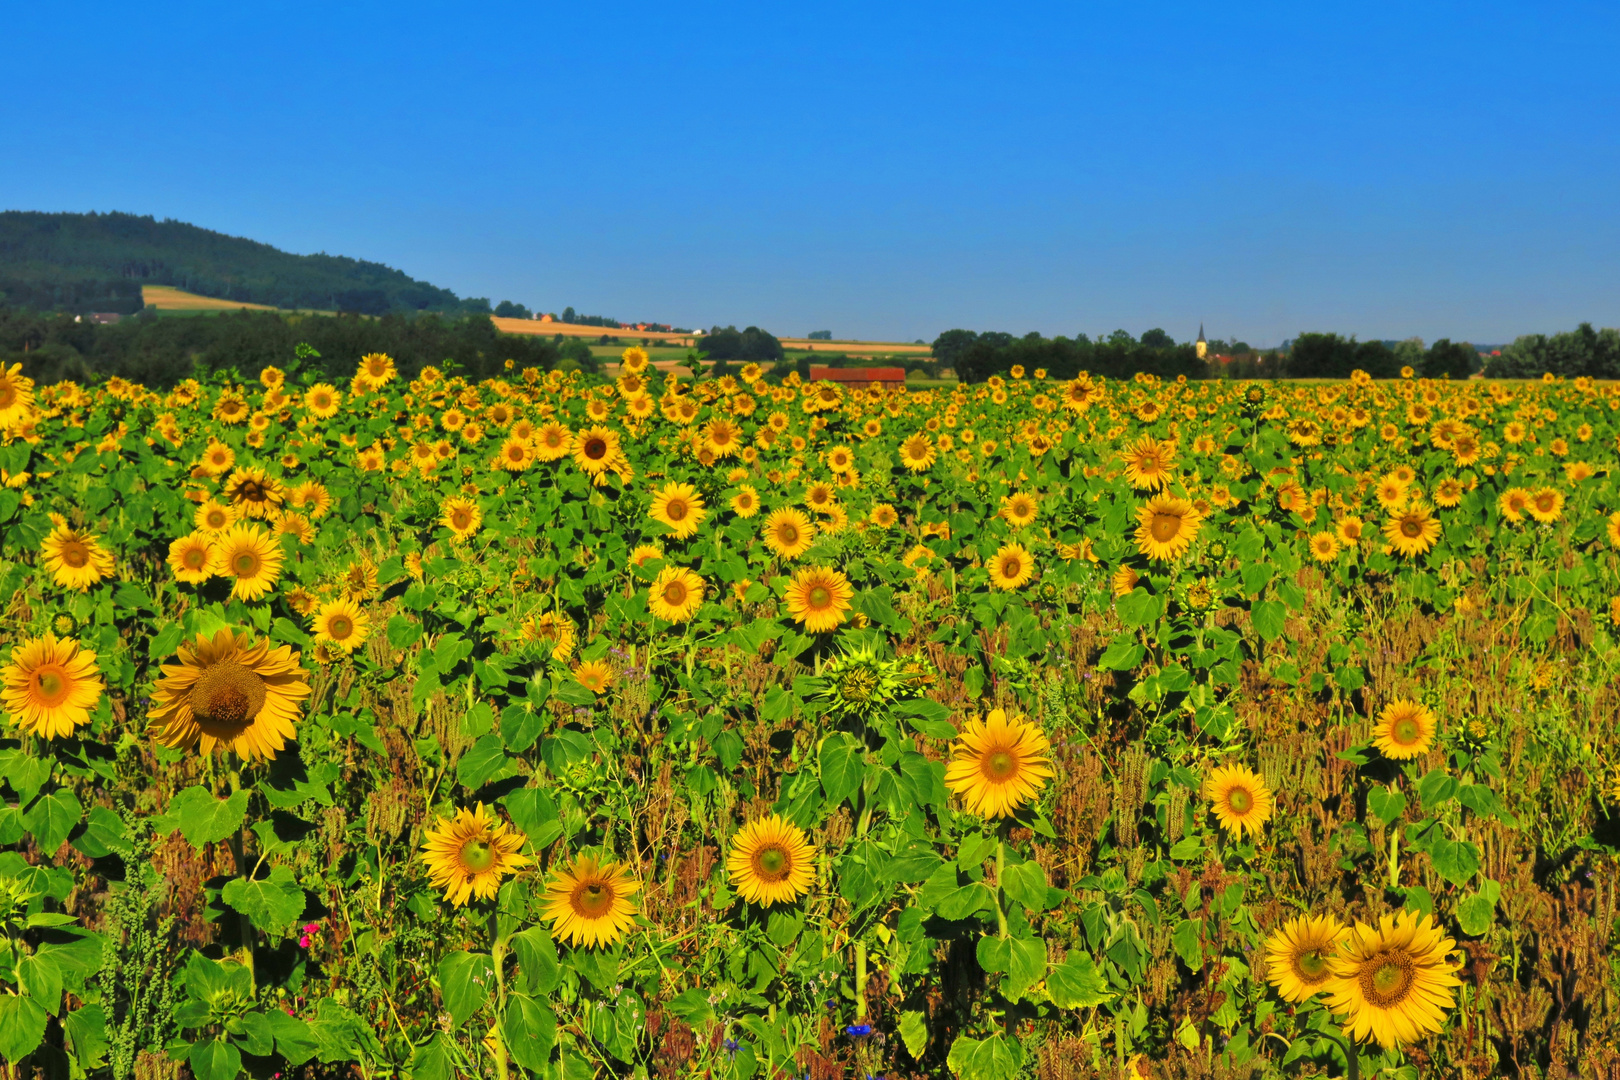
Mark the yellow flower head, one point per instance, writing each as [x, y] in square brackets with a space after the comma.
[998, 764]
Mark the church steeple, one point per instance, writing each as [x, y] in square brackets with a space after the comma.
[1201, 347]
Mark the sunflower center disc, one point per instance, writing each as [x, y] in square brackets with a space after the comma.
[820, 597]
[595, 449]
[228, 693]
[1386, 980]
[1407, 731]
[50, 686]
[772, 863]
[1165, 527]
[593, 899]
[1000, 764]
[788, 535]
[196, 559]
[674, 594]
[1411, 528]
[246, 564]
[1240, 800]
[1310, 966]
[1010, 568]
[477, 856]
[75, 555]
[676, 511]
[339, 628]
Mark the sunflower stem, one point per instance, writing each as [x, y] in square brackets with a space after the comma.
[860, 982]
[1001, 864]
[1395, 855]
[497, 953]
[1352, 1063]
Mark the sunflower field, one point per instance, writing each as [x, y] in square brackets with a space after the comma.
[570, 727]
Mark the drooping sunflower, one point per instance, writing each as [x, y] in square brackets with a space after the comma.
[50, 685]
[594, 675]
[676, 594]
[191, 558]
[679, 507]
[75, 559]
[1404, 730]
[998, 764]
[771, 862]
[227, 691]
[254, 492]
[1394, 982]
[788, 532]
[467, 855]
[595, 449]
[1412, 530]
[250, 555]
[1148, 463]
[1298, 955]
[461, 516]
[1242, 802]
[819, 598]
[341, 622]
[1018, 509]
[1011, 566]
[589, 902]
[1166, 526]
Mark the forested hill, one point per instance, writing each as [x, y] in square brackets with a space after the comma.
[98, 262]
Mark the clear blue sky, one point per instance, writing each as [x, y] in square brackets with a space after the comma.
[882, 171]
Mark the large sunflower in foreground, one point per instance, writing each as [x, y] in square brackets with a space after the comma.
[788, 532]
[589, 902]
[1242, 802]
[50, 686]
[1011, 566]
[676, 594]
[1404, 730]
[680, 508]
[1166, 526]
[771, 862]
[1412, 530]
[228, 691]
[75, 559]
[467, 855]
[998, 764]
[250, 555]
[1298, 956]
[819, 598]
[1394, 981]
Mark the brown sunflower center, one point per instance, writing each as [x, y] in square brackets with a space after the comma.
[75, 554]
[1311, 966]
[998, 765]
[1165, 527]
[787, 535]
[1240, 800]
[339, 627]
[595, 448]
[51, 686]
[245, 563]
[460, 518]
[1411, 527]
[251, 491]
[1011, 566]
[1387, 979]
[477, 855]
[228, 693]
[591, 899]
[676, 510]
[675, 594]
[1406, 731]
[8, 395]
[772, 863]
[195, 558]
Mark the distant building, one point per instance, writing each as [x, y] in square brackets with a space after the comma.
[1201, 347]
[546, 318]
[857, 376]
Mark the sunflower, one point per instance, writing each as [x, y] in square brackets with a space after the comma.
[461, 516]
[771, 862]
[1011, 566]
[819, 598]
[1404, 730]
[595, 449]
[1513, 503]
[322, 401]
[1124, 580]
[998, 764]
[1298, 954]
[1349, 530]
[1546, 505]
[1324, 547]
[676, 594]
[1018, 509]
[50, 685]
[16, 396]
[917, 452]
[1166, 526]
[227, 691]
[1242, 800]
[788, 532]
[553, 629]
[552, 441]
[1412, 530]
[467, 855]
[883, 516]
[1148, 463]
[191, 558]
[515, 454]
[376, 371]
[645, 553]
[680, 508]
[594, 675]
[589, 902]
[254, 493]
[1613, 530]
[341, 623]
[745, 504]
[217, 458]
[248, 554]
[75, 559]
[1393, 982]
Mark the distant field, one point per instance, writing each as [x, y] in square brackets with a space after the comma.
[168, 298]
